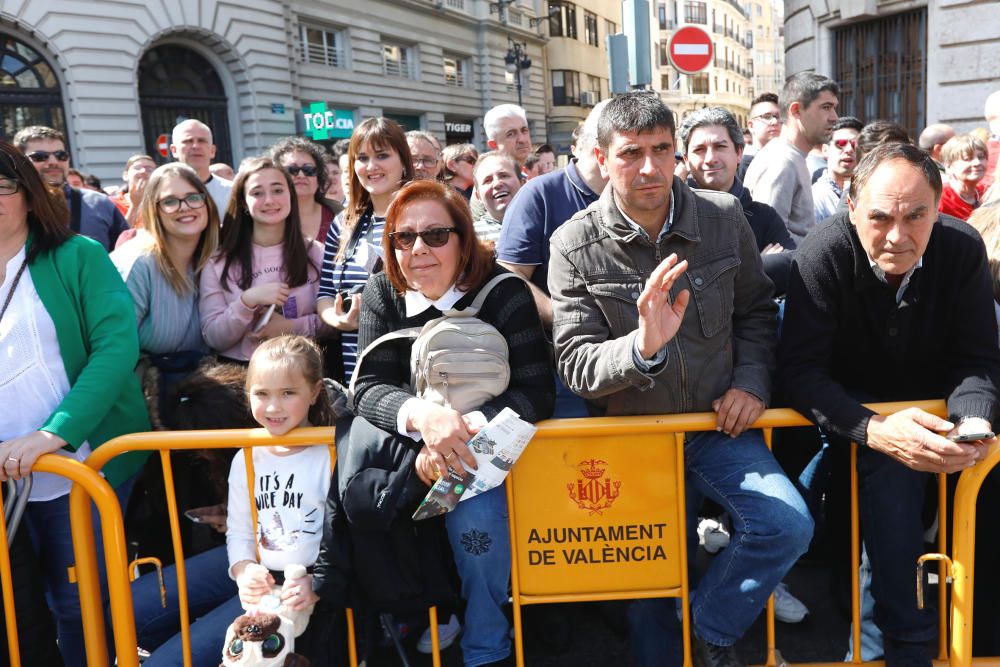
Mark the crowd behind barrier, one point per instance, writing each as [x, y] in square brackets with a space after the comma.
[208, 276]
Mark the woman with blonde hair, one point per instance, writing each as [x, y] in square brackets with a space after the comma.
[161, 269]
[964, 158]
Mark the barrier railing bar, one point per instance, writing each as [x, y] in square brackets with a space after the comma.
[7, 580]
[685, 588]
[964, 555]
[772, 659]
[942, 480]
[180, 567]
[856, 656]
[89, 487]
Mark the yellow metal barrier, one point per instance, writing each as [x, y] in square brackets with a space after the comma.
[164, 442]
[566, 480]
[964, 557]
[87, 485]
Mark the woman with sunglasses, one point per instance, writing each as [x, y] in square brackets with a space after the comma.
[69, 346]
[381, 165]
[434, 262]
[459, 160]
[303, 159]
[263, 280]
[161, 269]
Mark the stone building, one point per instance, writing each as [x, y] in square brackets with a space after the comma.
[914, 62]
[115, 76]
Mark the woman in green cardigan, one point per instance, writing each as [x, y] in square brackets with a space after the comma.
[68, 345]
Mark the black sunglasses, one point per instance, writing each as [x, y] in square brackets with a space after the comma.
[435, 238]
[42, 156]
[307, 169]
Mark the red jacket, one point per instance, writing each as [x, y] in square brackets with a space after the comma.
[954, 205]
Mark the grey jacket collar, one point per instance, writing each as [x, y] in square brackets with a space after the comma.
[685, 223]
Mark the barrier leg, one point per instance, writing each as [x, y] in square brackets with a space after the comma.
[942, 567]
[10, 615]
[435, 638]
[514, 579]
[179, 567]
[352, 640]
[771, 659]
[682, 513]
[855, 560]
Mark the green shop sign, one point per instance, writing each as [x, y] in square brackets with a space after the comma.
[323, 123]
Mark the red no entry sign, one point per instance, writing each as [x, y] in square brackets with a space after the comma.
[162, 145]
[690, 50]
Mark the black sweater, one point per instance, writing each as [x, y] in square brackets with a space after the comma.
[843, 333]
[380, 390]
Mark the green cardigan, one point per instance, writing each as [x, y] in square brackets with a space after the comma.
[94, 319]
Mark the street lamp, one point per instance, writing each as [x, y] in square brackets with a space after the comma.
[516, 61]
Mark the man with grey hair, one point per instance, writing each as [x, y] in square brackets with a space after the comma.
[426, 152]
[507, 131]
[892, 301]
[778, 174]
[191, 144]
[933, 138]
[623, 273]
[713, 147]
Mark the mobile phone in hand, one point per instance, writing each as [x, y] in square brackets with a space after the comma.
[972, 437]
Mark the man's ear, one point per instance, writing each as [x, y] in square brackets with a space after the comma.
[173, 150]
[795, 109]
[491, 144]
[601, 160]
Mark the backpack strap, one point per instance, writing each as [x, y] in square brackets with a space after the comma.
[76, 210]
[477, 303]
[410, 333]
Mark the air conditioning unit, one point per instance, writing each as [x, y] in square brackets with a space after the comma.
[588, 98]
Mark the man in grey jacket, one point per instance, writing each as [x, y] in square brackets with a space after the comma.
[622, 274]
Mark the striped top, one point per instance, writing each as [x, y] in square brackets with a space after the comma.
[352, 275]
[168, 321]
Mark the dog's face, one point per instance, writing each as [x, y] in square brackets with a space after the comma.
[263, 640]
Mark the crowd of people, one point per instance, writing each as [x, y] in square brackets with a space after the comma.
[810, 260]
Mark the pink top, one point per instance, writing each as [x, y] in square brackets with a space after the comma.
[226, 321]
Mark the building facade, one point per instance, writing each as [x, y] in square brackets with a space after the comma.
[117, 76]
[767, 19]
[728, 81]
[915, 62]
[577, 59]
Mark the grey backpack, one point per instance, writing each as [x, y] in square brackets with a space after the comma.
[457, 360]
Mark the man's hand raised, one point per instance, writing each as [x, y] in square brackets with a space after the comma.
[912, 437]
[659, 319]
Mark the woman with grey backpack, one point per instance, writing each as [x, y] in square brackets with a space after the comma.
[435, 266]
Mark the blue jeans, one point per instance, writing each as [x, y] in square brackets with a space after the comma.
[771, 529]
[212, 605]
[49, 527]
[480, 541]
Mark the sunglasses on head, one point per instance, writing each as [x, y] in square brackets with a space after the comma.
[842, 143]
[306, 169]
[42, 156]
[435, 238]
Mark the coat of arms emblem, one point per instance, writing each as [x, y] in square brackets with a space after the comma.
[593, 491]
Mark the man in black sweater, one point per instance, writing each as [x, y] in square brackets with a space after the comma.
[887, 302]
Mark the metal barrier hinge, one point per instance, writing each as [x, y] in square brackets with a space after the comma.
[920, 574]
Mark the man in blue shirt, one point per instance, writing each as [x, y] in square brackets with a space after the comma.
[91, 213]
[541, 206]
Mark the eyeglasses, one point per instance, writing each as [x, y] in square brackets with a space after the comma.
[307, 170]
[173, 204]
[424, 161]
[467, 158]
[842, 143]
[8, 186]
[769, 118]
[42, 156]
[435, 238]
